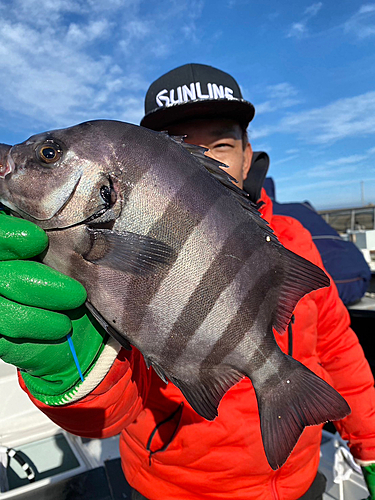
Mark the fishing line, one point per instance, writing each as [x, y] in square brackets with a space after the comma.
[71, 345]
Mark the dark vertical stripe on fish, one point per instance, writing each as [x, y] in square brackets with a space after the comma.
[187, 211]
[218, 276]
[263, 291]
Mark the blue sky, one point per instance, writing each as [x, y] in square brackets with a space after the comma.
[308, 68]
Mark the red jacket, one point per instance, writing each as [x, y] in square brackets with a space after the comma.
[169, 452]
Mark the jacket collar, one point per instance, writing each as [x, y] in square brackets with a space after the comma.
[266, 208]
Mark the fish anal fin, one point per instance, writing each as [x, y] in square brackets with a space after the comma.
[301, 277]
[206, 392]
[127, 252]
[286, 408]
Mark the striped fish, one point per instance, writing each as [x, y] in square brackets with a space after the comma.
[176, 262]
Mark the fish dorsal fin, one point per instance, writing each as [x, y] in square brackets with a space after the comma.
[301, 277]
[217, 169]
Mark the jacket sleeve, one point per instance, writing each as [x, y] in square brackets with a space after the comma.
[111, 406]
[339, 351]
[343, 358]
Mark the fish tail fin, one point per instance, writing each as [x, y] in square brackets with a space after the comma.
[289, 404]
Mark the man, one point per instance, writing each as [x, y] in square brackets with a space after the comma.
[168, 451]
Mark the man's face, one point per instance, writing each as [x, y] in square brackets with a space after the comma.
[223, 138]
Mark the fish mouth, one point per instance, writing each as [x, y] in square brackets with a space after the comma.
[40, 220]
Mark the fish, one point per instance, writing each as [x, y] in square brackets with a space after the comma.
[177, 262]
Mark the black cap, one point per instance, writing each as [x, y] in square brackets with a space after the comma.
[195, 91]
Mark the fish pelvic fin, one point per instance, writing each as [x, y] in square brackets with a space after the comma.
[156, 367]
[288, 405]
[302, 277]
[107, 327]
[205, 393]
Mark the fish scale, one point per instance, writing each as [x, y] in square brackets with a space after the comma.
[244, 330]
[176, 261]
[208, 293]
[217, 320]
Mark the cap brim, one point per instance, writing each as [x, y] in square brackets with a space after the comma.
[236, 109]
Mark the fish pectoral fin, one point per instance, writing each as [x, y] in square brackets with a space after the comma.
[206, 392]
[128, 252]
[302, 277]
[297, 401]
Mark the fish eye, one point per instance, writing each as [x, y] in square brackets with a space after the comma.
[49, 153]
[108, 195]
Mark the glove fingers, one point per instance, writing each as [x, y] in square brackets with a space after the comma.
[20, 239]
[38, 285]
[32, 324]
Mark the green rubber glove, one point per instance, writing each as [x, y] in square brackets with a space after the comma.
[369, 475]
[33, 335]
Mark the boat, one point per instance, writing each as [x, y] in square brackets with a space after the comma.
[41, 461]
[344, 477]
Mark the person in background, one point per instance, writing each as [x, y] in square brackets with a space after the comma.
[167, 450]
[343, 260]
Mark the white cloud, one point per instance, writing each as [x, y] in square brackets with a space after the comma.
[82, 59]
[279, 96]
[362, 23]
[341, 167]
[327, 171]
[299, 29]
[348, 117]
[93, 31]
[325, 184]
[282, 90]
[343, 118]
[347, 160]
[331, 181]
[292, 151]
[260, 132]
[313, 9]
[287, 159]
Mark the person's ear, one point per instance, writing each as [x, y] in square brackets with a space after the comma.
[248, 155]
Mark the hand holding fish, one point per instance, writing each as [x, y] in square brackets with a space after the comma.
[32, 333]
